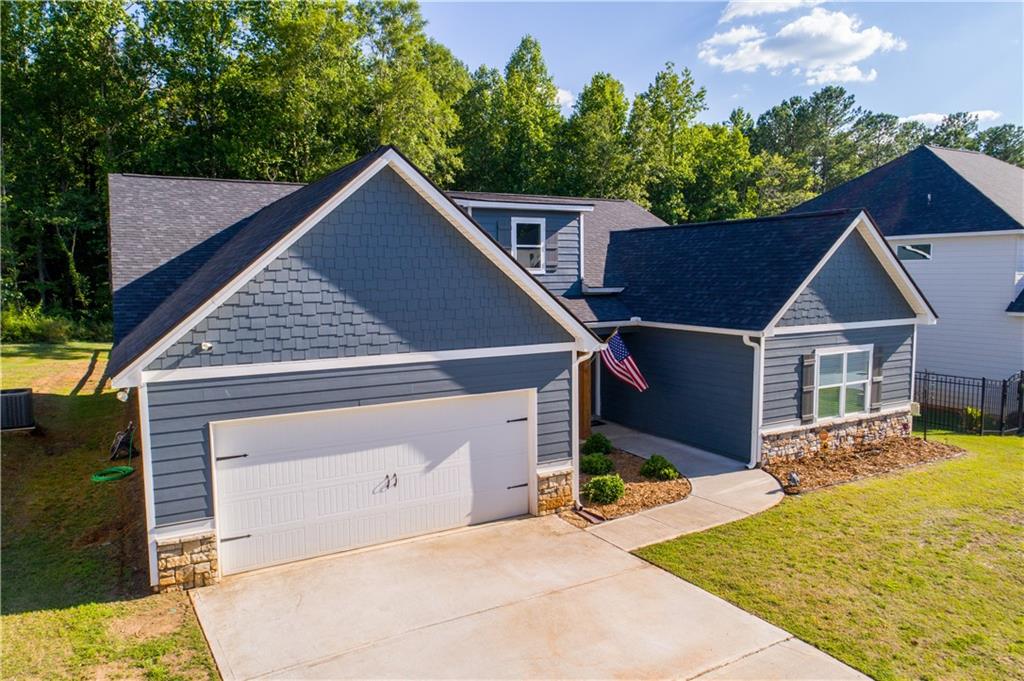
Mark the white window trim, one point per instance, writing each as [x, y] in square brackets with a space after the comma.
[844, 351]
[912, 248]
[543, 238]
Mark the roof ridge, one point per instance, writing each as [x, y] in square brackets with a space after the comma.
[542, 196]
[964, 178]
[209, 179]
[737, 221]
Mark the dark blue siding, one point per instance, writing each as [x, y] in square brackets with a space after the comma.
[180, 412]
[851, 287]
[783, 357]
[701, 387]
[563, 234]
[383, 273]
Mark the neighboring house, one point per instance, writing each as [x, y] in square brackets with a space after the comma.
[367, 358]
[956, 220]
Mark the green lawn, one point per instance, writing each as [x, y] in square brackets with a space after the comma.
[74, 593]
[915, 575]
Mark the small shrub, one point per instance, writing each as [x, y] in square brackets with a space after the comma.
[597, 444]
[596, 464]
[32, 325]
[659, 468]
[972, 420]
[605, 489]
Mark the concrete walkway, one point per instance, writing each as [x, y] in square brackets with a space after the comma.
[724, 490]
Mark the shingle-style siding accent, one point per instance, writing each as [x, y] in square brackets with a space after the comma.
[851, 287]
[383, 273]
[700, 390]
[782, 366]
[563, 228]
[180, 412]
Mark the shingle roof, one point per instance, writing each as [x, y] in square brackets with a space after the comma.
[609, 215]
[735, 274]
[243, 246]
[162, 229]
[1017, 306]
[933, 190]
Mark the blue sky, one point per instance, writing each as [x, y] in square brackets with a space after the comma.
[910, 59]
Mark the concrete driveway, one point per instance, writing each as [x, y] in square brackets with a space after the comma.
[523, 599]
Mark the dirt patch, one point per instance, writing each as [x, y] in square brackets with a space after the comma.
[109, 671]
[150, 623]
[641, 493]
[875, 458]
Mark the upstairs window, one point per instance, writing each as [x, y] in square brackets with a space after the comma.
[528, 236]
[842, 382]
[914, 252]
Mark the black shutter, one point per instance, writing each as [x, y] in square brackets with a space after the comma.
[807, 389]
[551, 253]
[877, 361]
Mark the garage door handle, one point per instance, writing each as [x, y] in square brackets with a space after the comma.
[517, 486]
[235, 456]
[521, 418]
[241, 536]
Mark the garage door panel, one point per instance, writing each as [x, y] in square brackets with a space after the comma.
[323, 482]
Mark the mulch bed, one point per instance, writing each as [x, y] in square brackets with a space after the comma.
[641, 493]
[875, 458]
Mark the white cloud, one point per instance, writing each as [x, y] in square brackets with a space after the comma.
[933, 119]
[825, 46]
[565, 99]
[753, 8]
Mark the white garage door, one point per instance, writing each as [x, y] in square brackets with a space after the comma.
[292, 487]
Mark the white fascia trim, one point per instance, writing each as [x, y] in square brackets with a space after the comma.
[636, 321]
[1016, 314]
[131, 375]
[885, 256]
[188, 528]
[815, 328]
[925, 237]
[602, 290]
[516, 205]
[363, 361]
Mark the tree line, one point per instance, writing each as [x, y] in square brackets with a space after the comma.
[290, 90]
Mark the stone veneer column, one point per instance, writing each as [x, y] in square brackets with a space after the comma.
[554, 491]
[187, 562]
[816, 439]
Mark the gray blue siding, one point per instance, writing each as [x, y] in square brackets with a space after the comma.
[783, 360]
[700, 393]
[563, 234]
[180, 412]
[383, 273]
[851, 287]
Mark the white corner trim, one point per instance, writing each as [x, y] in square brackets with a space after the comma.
[362, 361]
[147, 484]
[130, 375]
[816, 328]
[996, 232]
[757, 406]
[525, 205]
[886, 258]
[582, 250]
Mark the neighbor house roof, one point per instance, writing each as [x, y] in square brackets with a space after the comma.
[1017, 306]
[735, 274]
[934, 190]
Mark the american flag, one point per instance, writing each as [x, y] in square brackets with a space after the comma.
[618, 360]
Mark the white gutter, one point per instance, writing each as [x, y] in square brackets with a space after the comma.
[758, 401]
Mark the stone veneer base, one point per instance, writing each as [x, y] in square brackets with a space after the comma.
[817, 439]
[187, 562]
[554, 491]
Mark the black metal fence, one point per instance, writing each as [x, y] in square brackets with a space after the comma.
[970, 405]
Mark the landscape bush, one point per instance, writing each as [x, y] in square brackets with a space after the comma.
[659, 468]
[605, 489]
[30, 324]
[596, 464]
[597, 444]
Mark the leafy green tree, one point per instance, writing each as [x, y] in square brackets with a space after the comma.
[780, 184]
[740, 120]
[480, 132]
[880, 137]
[593, 157]
[1005, 142]
[956, 131]
[723, 175]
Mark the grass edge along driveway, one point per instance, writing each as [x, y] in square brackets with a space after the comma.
[912, 575]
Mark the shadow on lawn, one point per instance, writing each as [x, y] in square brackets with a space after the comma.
[66, 540]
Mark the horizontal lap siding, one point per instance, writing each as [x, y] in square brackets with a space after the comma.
[180, 412]
[700, 390]
[782, 366]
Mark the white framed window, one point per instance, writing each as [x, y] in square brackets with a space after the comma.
[842, 381]
[914, 252]
[528, 235]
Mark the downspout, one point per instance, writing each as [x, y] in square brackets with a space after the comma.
[576, 424]
[756, 410]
